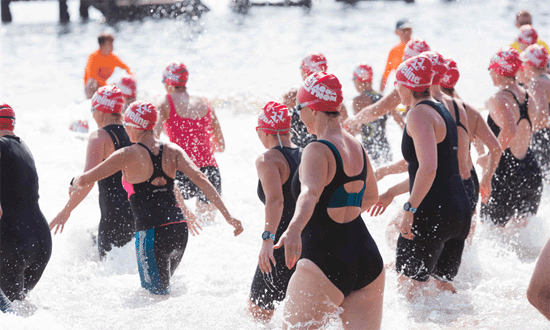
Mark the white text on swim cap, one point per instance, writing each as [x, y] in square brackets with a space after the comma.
[137, 119]
[320, 91]
[408, 70]
[103, 100]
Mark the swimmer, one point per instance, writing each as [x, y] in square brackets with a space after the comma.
[536, 80]
[25, 240]
[299, 134]
[116, 224]
[517, 182]
[539, 285]
[435, 220]
[527, 37]
[149, 168]
[389, 102]
[128, 87]
[101, 65]
[338, 266]
[275, 167]
[373, 134]
[191, 123]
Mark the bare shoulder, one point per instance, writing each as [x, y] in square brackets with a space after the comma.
[199, 103]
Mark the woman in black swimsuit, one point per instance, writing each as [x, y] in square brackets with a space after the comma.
[339, 263]
[116, 226]
[275, 168]
[517, 182]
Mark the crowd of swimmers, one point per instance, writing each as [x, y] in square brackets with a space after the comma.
[315, 179]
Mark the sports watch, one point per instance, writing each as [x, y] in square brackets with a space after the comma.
[408, 207]
[267, 235]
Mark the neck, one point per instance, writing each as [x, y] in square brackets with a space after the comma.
[147, 138]
[5, 132]
[106, 120]
[435, 92]
[327, 126]
[506, 83]
[273, 141]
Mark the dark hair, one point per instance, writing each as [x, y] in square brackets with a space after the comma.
[104, 37]
[331, 113]
[421, 94]
[448, 90]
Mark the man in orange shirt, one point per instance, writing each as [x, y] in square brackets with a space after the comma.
[101, 65]
[403, 29]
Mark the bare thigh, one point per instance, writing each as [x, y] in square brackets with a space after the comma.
[311, 296]
[363, 308]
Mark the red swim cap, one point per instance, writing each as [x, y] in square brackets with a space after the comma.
[505, 62]
[314, 63]
[451, 77]
[108, 99]
[128, 87]
[321, 91]
[141, 115]
[274, 119]
[439, 66]
[527, 35]
[415, 47]
[176, 74]
[415, 73]
[7, 117]
[535, 55]
[363, 73]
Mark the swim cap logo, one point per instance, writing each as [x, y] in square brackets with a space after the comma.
[409, 71]
[320, 91]
[136, 118]
[275, 118]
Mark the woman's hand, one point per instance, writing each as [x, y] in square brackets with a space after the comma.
[293, 247]
[405, 226]
[485, 190]
[266, 255]
[59, 221]
[236, 224]
[383, 201]
[193, 225]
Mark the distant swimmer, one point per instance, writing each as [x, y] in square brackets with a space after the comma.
[25, 239]
[435, 220]
[517, 182]
[523, 18]
[148, 168]
[339, 270]
[403, 29]
[101, 65]
[116, 224]
[128, 87]
[373, 134]
[190, 122]
[536, 80]
[312, 63]
[276, 168]
[389, 102]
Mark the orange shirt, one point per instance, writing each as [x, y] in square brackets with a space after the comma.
[101, 67]
[394, 59]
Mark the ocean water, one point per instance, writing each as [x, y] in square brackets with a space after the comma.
[241, 62]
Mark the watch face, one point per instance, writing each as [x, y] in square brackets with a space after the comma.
[265, 235]
[407, 206]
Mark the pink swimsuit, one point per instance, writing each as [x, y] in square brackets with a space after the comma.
[192, 135]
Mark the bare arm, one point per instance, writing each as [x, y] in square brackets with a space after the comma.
[94, 155]
[394, 168]
[270, 177]
[192, 220]
[313, 176]
[164, 113]
[504, 118]
[398, 118]
[375, 111]
[370, 195]
[186, 165]
[119, 160]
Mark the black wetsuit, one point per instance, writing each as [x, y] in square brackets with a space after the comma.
[161, 230]
[116, 226]
[517, 183]
[25, 239]
[472, 183]
[298, 130]
[267, 289]
[373, 136]
[540, 145]
[442, 220]
[345, 252]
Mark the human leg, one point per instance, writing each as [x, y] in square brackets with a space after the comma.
[538, 292]
[363, 308]
[311, 296]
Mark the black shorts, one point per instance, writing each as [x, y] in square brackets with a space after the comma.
[189, 189]
[268, 288]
